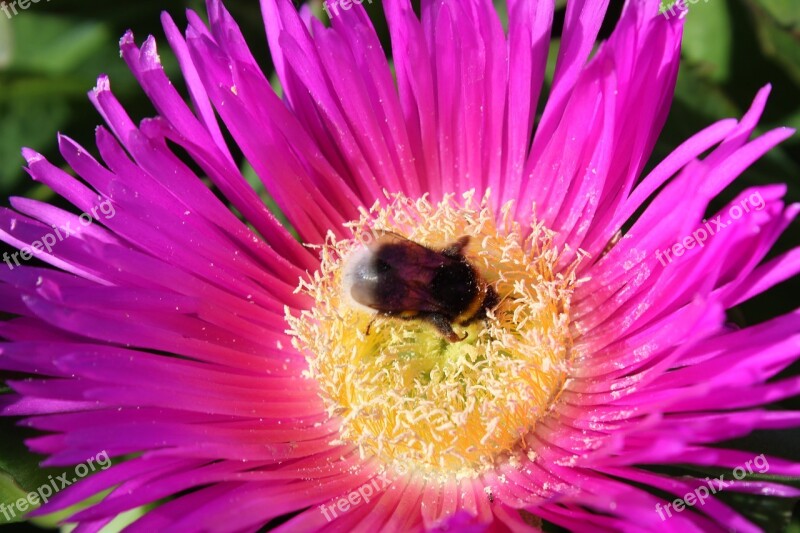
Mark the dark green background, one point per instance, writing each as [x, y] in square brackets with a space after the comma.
[51, 54]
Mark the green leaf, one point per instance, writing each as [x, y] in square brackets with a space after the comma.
[53, 44]
[275, 82]
[502, 12]
[119, 523]
[10, 492]
[768, 513]
[552, 57]
[780, 44]
[792, 121]
[316, 9]
[707, 38]
[702, 100]
[15, 459]
[20, 472]
[5, 43]
[785, 12]
[699, 102]
[27, 122]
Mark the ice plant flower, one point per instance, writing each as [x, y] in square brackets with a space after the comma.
[224, 365]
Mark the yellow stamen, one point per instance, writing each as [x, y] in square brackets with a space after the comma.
[406, 395]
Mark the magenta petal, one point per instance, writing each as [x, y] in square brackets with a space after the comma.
[156, 333]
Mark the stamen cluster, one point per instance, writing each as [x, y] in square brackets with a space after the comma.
[405, 394]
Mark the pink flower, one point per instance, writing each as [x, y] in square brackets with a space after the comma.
[172, 333]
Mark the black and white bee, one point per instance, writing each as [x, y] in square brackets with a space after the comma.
[400, 278]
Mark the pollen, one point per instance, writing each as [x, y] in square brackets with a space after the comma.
[405, 395]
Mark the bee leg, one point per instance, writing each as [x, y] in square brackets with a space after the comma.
[441, 323]
[370, 325]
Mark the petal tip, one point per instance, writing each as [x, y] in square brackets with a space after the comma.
[126, 39]
[31, 156]
[103, 84]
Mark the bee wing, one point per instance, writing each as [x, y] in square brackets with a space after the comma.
[413, 268]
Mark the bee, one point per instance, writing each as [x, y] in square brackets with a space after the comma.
[400, 278]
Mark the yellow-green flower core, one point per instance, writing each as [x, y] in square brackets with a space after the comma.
[403, 393]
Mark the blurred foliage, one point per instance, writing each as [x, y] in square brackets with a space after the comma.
[52, 52]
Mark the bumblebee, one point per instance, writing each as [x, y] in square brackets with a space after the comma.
[400, 278]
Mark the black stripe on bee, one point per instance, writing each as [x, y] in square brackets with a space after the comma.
[400, 278]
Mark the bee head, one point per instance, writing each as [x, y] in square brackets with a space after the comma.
[363, 276]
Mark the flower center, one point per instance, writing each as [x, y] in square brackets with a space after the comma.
[406, 394]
